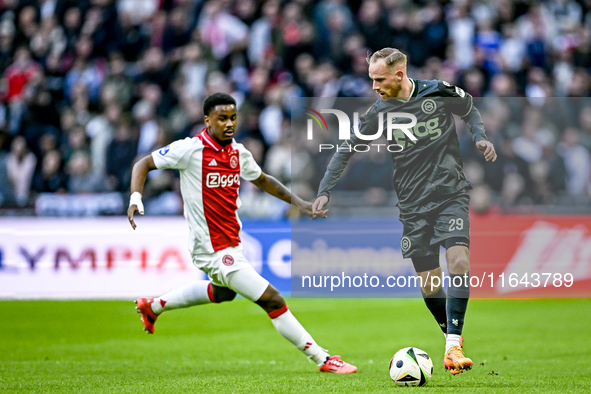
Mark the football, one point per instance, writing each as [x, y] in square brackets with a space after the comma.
[411, 366]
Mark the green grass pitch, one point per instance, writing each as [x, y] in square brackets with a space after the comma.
[518, 346]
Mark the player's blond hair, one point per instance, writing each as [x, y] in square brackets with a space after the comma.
[391, 56]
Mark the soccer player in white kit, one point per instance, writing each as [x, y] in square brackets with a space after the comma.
[211, 165]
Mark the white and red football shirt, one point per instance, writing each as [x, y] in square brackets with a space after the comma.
[210, 178]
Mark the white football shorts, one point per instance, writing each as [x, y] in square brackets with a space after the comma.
[229, 268]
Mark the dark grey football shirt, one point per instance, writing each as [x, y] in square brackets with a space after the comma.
[429, 167]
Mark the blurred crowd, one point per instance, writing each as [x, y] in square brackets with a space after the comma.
[90, 86]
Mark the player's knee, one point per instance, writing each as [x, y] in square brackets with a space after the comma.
[223, 294]
[429, 289]
[276, 302]
[459, 264]
[271, 300]
[430, 281]
[430, 284]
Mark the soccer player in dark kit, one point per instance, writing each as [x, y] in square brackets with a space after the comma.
[429, 181]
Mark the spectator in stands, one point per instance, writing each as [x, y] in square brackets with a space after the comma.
[461, 31]
[72, 23]
[516, 180]
[324, 80]
[153, 68]
[436, 29]
[51, 178]
[324, 11]
[580, 85]
[512, 49]
[557, 170]
[82, 177]
[76, 140]
[577, 162]
[177, 34]
[474, 82]
[120, 155]
[221, 31]
[503, 85]
[260, 45]
[527, 145]
[272, 116]
[117, 81]
[7, 32]
[131, 38]
[86, 71]
[19, 76]
[304, 67]
[276, 163]
[338, 26]
[297, 34]
[20, 167]
[585, 126]
[49, 40]
[139, 10]
[488, 43]
[194, 70]
[100, 130]
[165, 56]
[26, 25]
[144, 115]
[159, 23]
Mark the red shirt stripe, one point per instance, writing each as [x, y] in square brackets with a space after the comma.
[221, 181]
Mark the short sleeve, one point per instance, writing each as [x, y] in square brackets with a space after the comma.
[460, 102]
[175, 156]
[249, 169]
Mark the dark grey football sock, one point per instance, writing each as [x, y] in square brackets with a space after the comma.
[436, 303]
[458, 294]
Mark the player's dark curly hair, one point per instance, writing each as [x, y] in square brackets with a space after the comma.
[216, 99]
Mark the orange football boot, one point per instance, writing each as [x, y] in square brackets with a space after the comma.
[455, 361]
[144, 308]
[335, 365]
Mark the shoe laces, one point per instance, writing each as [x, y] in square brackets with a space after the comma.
[455, 351]
[336, 362]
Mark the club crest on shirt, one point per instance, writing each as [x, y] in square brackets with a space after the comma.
[428, 106]
[234, 161]
[228, 260]
[164, 150]
[405, 244]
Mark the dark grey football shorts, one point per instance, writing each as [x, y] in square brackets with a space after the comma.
[428, 228]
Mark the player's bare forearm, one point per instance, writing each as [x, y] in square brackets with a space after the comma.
[138, 178]
[140, 172]
[275, 188]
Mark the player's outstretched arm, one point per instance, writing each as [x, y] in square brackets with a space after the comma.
[275, 188]
[474, 122]
[138, 178]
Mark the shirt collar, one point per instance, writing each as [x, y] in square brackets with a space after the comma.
[210, 141]
[411, 92]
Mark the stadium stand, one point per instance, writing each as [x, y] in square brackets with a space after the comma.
[89, 86]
